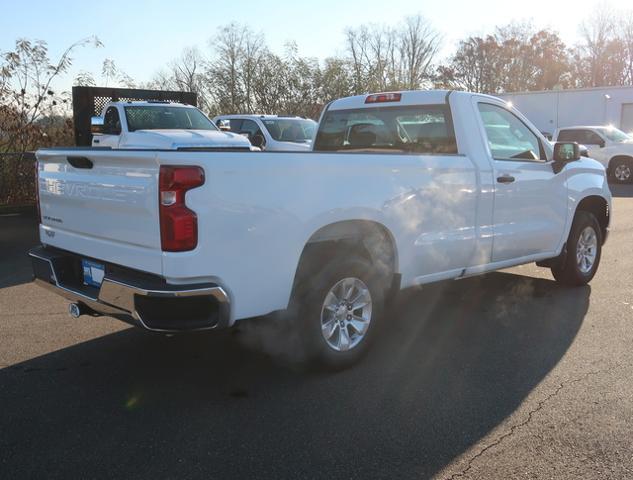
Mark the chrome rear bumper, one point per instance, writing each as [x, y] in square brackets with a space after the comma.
[155, 306]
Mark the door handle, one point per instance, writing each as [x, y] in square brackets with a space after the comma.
[505, 179]
[80, 162]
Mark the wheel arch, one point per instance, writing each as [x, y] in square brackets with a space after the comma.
[599, 207]
[369, 238]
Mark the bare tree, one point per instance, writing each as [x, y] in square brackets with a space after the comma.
[592, 55]
[109, 72]
[224, 74]
[384, 58]
[626, 34]
[418, 43]
[358, 46]
[186, 73]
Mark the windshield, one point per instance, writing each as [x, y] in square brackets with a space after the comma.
[615, 135]
[420, 129]
[297, 130]
[155, 117]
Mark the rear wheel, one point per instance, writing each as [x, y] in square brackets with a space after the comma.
[621, 170]
[584, 247]
[337, 312]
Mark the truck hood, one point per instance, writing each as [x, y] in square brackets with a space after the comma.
[174, 139]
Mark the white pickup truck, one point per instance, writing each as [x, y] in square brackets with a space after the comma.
[608, 145]
[401, 189]
[160, 125]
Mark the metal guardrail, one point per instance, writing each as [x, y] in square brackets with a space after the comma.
[17, 178]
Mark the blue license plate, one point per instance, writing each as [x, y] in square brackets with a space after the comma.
[93, 272]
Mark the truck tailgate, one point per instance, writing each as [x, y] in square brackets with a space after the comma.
[102, 205]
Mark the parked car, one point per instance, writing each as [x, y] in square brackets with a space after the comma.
[610, 146]
[272, 133]
[402, 189]
[161, 125]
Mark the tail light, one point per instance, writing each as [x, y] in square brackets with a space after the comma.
[383, 98]
[36, 164]
[178, 224]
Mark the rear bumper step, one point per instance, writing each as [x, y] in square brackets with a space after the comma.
[155, 305]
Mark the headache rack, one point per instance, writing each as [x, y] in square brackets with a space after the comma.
[89, 101]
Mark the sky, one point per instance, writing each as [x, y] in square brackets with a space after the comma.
[141, 36]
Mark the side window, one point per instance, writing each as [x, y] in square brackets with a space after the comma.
[583, 137]
[592, 138]
[250, 127]
[255, 135]
[235, 124]
[571, 136]
[111, 122]
[508, 137]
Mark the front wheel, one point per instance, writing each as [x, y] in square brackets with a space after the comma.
[621, 170]
[337, 312]
[584, 248]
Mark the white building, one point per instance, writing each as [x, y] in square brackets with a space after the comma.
[553, 109]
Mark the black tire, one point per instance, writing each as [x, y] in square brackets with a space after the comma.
[567, 271]
[307, 308]
[621, 170]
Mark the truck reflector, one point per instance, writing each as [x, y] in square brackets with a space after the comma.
[37, 191]
[383, 98]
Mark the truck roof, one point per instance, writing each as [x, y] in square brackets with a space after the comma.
[260, 116]
[407, 98]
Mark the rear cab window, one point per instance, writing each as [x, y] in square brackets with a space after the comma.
[424, 129]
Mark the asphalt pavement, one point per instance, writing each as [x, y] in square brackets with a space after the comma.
[503, 376]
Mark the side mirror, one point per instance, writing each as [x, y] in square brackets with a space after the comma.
[258, 141]
[224, 125]
[566, 152]
[602, 144]
[96, 125]
[583, 151]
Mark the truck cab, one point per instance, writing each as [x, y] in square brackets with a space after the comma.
[610, 146]
[159, 125]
